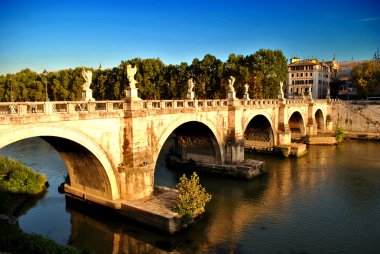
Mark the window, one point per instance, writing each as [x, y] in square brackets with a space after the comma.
[306, 74]
[297, 74]
[292, 75]
[319, 82]
[311, 74]
[301, 74]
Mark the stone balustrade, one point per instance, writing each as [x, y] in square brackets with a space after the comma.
[62, 107]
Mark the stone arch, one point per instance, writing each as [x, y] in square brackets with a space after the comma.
[259, 133]
[264, 114]
[76, 149]
[319, 119]
[186, 119]
[297, 125]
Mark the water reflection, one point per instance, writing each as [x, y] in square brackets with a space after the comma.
[327, 201]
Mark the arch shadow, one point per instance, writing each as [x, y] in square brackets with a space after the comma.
[88, 165]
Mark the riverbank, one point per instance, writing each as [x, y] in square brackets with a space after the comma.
[18, 184]
[14, 240]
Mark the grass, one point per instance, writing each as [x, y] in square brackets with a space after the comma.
[17, 182]
[13, 240]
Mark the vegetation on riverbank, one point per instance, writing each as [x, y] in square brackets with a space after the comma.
[192, 197]
[339, 134]
[13, 240]
[17, 182]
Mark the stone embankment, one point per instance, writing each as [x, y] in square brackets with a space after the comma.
[248, 170]
[358, 119]
[154, 211]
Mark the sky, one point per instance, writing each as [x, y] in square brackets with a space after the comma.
[62, 34]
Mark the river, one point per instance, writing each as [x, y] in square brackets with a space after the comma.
[325, 202]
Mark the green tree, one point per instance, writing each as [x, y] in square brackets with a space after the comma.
[192, 197]
[267, 69]
[366, 78]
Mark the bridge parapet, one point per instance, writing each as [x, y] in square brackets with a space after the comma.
[58, 107]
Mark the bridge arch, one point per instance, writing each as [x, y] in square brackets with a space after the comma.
[259, 131]
[297, 125]
[180, 121]
[319, 119]
[96, 175]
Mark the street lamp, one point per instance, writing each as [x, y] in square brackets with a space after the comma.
[45, 73]
[11, 90]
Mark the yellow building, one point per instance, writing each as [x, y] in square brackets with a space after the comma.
[310, 76]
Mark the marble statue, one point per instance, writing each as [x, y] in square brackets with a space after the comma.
[131, 72]
[231, 82]
[281, 91]
[87, 75]
[246, 87]
[190, 85]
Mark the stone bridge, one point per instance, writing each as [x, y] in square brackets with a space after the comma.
[111, 147]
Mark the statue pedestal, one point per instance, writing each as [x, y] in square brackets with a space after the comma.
[231, 95]
[246, 96]
[190, 96]
[131, 93]
[87, 95]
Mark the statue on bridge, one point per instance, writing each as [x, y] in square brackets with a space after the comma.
[281, 91]
[86, 91]
[231, 82]
[131, 91]
[231, 88]
[131, 72]
[190, 87]
[246, 94]
[87, 75]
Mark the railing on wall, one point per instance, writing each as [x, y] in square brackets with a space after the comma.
[61, 107]
[58, 107]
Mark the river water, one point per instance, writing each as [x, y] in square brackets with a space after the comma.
[325, 202]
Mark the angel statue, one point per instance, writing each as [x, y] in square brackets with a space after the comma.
[190, 85]
[231, 82]
[246, 86]
[131, 72]
[87, 75]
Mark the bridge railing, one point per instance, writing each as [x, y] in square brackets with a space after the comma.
[162, 104]
[58, 107]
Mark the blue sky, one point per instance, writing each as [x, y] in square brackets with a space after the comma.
[64, 34]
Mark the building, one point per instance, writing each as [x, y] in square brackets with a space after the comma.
[310, 76]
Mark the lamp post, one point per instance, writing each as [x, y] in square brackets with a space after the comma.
[11, 90]
[45, 73]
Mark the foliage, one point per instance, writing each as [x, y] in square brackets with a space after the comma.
[262, 71]
[192, 197]
[13, 240]
[366, 78]
[17, 181]
[339, 134]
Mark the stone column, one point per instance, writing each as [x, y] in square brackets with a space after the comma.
[234, 144]
[283, 131]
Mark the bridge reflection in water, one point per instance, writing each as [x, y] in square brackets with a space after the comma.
[299, 204]
[236, 206]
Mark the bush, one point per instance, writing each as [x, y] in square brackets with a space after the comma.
[192, 197]
[17, 178]
[17, 183]
[13, 240]
[339, 134]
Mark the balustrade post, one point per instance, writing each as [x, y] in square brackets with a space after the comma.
[71, 107]
[23, 109]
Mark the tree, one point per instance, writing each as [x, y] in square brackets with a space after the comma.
[267, 69]
[366, 78]
[192, 197]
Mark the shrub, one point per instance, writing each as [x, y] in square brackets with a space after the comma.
[339, 134]
[17, 182]
[192, 197]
